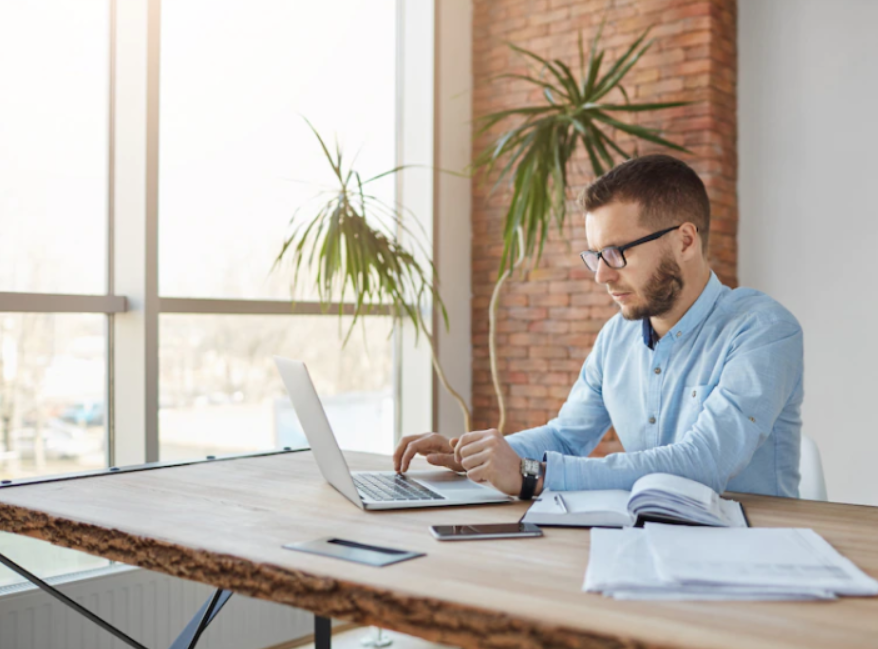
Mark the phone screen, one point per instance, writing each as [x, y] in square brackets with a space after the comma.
[487, 530]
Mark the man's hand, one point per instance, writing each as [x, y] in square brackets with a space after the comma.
[488, 457]
[436, 447]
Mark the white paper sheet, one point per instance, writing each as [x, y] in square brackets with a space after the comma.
[621, 566]
[781, 557]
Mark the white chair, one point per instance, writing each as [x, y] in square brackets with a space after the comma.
[812, 485]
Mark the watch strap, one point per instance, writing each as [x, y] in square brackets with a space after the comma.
[528, 486]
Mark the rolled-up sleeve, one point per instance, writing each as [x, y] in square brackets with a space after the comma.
[763, 368]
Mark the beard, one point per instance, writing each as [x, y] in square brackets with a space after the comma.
[660, 293]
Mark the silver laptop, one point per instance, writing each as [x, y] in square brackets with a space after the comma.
[374, 489]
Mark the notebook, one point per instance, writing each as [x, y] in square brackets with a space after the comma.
[657, 497]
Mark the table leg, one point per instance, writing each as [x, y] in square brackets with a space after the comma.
[322, 632]
[61, 597]
[186, 640]
[190, 635]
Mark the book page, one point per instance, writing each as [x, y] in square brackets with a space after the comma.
[676, 486]
[607, 500]
[603, 507]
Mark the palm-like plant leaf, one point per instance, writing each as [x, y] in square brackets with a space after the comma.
[536, 151]
[355, 262]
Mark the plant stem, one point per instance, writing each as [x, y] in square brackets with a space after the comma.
[467, 417]
[492, 349]
[492, 332]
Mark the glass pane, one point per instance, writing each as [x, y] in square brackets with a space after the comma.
[237, 159]
[43, 559]
[53, 145]
[220, 392]
[53, 370]
[52, 405]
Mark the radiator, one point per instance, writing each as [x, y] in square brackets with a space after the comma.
[149, 607]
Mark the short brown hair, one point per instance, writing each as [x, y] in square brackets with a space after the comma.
[668, 191]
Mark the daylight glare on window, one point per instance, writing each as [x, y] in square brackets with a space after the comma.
[237, 160]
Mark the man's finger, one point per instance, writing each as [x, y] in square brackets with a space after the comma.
[475, 460]
[462, 441]
[410, 452]
[400, 449]
[472, 448]
[443, 459]
[465, 441]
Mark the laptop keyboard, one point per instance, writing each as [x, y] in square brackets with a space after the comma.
[388, 487]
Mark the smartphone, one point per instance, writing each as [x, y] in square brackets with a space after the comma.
[487, 531]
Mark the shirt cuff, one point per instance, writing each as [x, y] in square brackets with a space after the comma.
[555, 478]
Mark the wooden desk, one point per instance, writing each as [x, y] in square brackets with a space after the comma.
[223, 523]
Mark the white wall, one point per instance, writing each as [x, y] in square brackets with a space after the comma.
[808, 135]
[453, 207]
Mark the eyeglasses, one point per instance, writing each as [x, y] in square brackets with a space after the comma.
[614, 256]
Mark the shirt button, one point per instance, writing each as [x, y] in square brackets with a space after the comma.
[658, 370]
[652, 420]
[679, 333]
[694, 392]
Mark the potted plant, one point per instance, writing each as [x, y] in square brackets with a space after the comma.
[537, 150]
[349, 244]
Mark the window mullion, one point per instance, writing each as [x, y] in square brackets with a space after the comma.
[135, 229]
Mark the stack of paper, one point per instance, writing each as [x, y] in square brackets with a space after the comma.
[680, 562]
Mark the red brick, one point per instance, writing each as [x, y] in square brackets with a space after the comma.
[549, 326]
[527, 313]
[557, 299]
[586, 326]
[554, 378]
[528, 339]
[529, 391]
[565, 365]
[566, 287]
[591, 299]
[550, 316]
[548, 352]
[529, 365]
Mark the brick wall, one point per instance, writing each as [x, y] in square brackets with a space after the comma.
[548, 317]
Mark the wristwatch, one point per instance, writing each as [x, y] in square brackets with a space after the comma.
[530, 471]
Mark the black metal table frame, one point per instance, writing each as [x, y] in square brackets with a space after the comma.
[190, 635]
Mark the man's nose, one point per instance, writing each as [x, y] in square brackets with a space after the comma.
[605, 274]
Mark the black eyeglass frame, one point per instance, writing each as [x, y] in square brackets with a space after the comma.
[621, 249]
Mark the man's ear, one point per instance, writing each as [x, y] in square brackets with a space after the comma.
[691, 242]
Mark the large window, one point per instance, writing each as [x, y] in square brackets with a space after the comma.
[231, 159]
[236, 157]
[221, 394]
[54, 108]
[236, 160]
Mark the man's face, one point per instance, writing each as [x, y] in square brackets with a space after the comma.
[651, 282]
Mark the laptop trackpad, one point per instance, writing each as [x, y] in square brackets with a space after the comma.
[449, 481]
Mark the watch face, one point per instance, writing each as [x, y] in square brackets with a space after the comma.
[530, 467]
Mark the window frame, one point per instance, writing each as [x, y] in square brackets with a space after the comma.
[132, 303]
[432, 31]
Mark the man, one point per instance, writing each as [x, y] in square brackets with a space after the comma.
[698, 380]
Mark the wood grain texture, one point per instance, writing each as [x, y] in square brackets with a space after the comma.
[223, 524]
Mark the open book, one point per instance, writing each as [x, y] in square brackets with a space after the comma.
[658, 497]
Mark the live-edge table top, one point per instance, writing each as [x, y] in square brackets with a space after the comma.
[224, 523]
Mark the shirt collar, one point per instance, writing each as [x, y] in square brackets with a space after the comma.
[648, 333]
[693, 317]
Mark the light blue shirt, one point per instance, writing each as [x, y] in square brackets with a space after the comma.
[718, 400]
